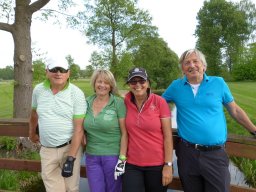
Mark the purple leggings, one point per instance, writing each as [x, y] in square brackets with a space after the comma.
[100, 172]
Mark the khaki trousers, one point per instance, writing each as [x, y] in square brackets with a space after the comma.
[52, 160]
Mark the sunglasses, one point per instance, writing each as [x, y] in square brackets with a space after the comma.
[56, 69]
[134, 82]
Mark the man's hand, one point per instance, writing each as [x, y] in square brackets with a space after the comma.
[34, 138]
[67, 170]
[120, 168]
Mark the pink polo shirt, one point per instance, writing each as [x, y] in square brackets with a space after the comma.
[146, 143]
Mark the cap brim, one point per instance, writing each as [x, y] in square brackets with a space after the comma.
[143, 77]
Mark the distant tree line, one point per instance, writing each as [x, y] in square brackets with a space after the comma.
[7, 73]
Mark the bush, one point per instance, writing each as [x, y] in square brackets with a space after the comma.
[8, 143]
[158, 92]
[32, 184]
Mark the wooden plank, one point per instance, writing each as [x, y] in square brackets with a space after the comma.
[14, 127]
[237, 145]
[235, 188]
[20, 164]
[248, 140]
[241, 150]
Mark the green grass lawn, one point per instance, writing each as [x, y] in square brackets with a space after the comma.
[6, 99]
[245, 96]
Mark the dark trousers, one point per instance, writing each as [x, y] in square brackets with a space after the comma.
[203, 171]
[143, 179]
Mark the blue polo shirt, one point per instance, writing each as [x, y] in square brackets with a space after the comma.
[200, 118]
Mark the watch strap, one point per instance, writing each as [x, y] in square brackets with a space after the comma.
[168, 164]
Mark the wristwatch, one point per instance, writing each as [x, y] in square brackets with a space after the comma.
[70, 158]
[168, 164]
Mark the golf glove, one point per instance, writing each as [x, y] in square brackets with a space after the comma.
[120, 168]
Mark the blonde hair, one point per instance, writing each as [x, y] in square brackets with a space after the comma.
[107, 76]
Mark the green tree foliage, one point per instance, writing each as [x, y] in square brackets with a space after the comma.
[74, 68]
[112, 23]
[7, 73]
[249, 9]
[246, 70]
[38, 71]
[222, 30]
[99, 60]
[159, 60]
[74, 71]
[125, 64]
[89, 71]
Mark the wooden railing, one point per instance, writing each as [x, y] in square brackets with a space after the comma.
[240, 146]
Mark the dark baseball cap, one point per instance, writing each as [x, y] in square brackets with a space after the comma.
[137, 72]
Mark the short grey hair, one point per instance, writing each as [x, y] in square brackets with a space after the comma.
[198, 53]
[107, 76]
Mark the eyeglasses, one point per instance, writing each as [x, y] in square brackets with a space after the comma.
[56, 69]
[134, 82]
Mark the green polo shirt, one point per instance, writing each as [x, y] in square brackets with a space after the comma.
[103, 131]
[57, 111]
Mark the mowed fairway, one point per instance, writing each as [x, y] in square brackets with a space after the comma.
[245, 96]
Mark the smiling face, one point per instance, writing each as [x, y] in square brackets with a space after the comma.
[57, 79]
[138, 86]
[102, 87]
[193, 68]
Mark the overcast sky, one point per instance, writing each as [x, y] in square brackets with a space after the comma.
[175, 19]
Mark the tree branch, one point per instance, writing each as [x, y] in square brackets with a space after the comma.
[6, 27]
[37, 5]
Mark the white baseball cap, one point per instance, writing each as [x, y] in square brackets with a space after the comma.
[57, 62]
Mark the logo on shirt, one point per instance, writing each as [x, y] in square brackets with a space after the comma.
[109, 115]
[152, 107]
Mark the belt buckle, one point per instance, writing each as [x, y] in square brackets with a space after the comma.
[200, 147]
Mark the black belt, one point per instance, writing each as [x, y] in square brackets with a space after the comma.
[62, 145]
[201, 147]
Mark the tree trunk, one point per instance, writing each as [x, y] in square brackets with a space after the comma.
[22, 60]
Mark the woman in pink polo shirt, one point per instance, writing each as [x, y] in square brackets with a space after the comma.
[150, 146]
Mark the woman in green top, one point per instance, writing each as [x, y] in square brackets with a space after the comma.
[105, 134]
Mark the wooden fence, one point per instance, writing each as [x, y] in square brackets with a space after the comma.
[240, 146]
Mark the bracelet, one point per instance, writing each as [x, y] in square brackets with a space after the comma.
[122, 157]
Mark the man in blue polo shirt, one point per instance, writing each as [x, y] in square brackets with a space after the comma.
[202, 160]
[59, 108]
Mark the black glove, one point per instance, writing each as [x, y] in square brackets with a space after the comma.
[67, 170]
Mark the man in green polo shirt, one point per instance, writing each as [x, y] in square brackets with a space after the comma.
[58, 108]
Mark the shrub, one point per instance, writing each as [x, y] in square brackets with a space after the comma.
[8, 143]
